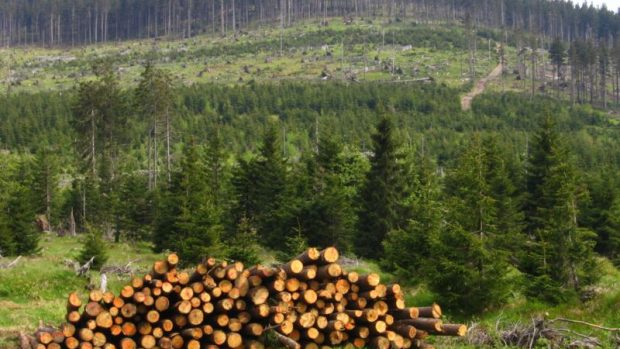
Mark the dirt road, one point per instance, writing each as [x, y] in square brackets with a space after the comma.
[479, 87]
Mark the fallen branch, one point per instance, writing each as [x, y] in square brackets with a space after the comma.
[610, 329]
[12, 264]
[122, 269]
[86, 267]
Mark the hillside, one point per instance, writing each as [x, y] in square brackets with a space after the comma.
[469, 151]
[360, 50]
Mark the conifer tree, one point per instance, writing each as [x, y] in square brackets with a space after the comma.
[260, 190]
[559, 257]
[382, 193]
[44, 185]
[407, 250]
[154, 103]
[21, 222]
[466, 253]
[612, 230]
[243, 244]
[94, 246]
[558, 55]
[217, 170]
[134, 208]
[187, 221]
[294, 244]
[327, 214]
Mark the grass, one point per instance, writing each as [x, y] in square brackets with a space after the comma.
[342, 50]
[35, 292]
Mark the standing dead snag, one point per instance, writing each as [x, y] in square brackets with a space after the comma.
[309, 302]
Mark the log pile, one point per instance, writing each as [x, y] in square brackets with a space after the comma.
[310, 302]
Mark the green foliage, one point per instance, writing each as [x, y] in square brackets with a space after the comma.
[409, 250]
[134, 208]
[243, 245]
[382, 194]
[186, 220]
[260, 189]
[45, 183]
[18, 230]
[558, 251]
[95, 246]
[294, 245]
[466, 273]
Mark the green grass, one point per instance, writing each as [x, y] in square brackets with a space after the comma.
[253, 55]
[36, 289]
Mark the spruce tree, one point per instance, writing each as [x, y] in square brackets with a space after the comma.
[94, 246]
[260, 190]
[134, 208]
[611, 229]
[187, 221]
[44, 186]
[243, 245]
[466, 253]
[22, 222]
[381, 196]
[409, 249]
[559, 254]
[327, 214]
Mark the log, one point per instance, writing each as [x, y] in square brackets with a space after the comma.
[253, 329]
[434, 311]
[104, 320]
[288, 342]
[426, 324]
[404, 330]
[234, 340]
[330, 271]
[293, 267]
[99, 339]
[195, 317]
[72, 343]
[127, 343]
[73, 302]
[368, 281]
[310, 256]
[92, 309]
[379, 342]
[452, 330]
[259, 295]
[329, 255]
[309, 302]
[218, 337]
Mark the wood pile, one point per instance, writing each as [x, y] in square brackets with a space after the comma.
[310, 302]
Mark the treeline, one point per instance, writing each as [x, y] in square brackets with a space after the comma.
[516, 196]
[76, 22]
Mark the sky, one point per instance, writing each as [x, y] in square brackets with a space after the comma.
[611, 4]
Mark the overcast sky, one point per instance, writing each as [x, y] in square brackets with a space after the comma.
[611, 4]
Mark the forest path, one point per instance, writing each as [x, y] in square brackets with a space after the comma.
[479, 87]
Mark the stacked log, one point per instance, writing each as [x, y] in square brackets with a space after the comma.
[309, 302]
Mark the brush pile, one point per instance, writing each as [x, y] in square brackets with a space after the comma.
[309, 302]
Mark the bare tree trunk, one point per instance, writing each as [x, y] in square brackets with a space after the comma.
[234, 19]
[72, 223]
[189, 18]
[168, 157]
[92, 143]
[222, 22]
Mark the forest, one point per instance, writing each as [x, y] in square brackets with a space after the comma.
[392, 174]
[252, 130]
[71, 22]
